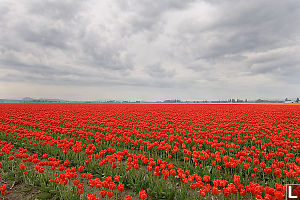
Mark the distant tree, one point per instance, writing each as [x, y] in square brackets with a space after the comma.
[286, 99]
[297, 100]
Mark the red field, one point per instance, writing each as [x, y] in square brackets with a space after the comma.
[149, 151]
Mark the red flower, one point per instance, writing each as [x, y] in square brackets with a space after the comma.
[128, 197]
[143, 194]
[80, 191]
[66, 163]
[103, 192]
[268, 170]
[263, 165]
[91, 196]
[89, 175]
[3, 190]
[80, 168]
[117, 178]
[22, 167]
[110, 193]
[173, 172]
[202, 192]
[193, 186]
[279, 195]
[76, 181]
[206, 178]
[243, 192]
[215, 190]
[121, 187]
[246, 165]
[112, 185]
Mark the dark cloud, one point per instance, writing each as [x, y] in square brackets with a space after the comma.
[217, 48]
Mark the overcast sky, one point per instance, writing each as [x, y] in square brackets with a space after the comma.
[149, 50]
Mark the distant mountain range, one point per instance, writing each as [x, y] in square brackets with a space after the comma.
[32, 100]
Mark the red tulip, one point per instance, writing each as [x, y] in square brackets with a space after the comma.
[143, 194]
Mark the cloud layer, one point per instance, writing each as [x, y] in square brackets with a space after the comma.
[140, 49]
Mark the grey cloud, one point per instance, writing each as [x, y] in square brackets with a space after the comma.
[247, 26]
[281, 64]
[157, 71]
[103, 54]
[53, 37]
[206, 46]
[55, 9]
[3, 12]
[146, 13]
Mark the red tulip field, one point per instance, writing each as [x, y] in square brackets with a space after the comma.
[149, 151]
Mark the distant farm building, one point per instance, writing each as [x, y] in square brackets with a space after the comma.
[289, 101]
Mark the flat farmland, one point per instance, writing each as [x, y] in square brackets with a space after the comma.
[148, 151]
